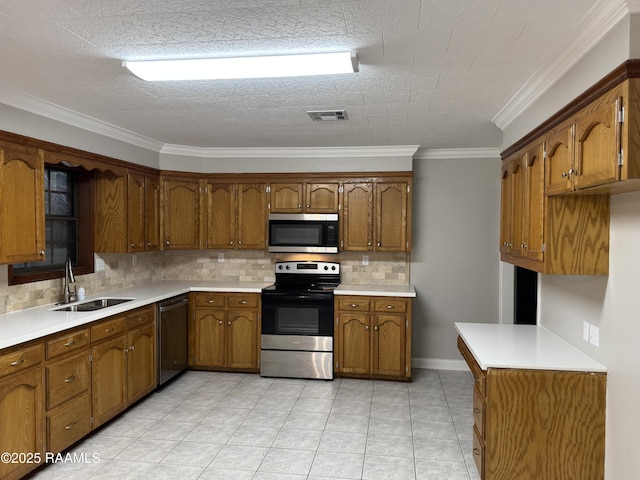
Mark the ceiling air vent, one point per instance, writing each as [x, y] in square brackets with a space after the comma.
[327, 115]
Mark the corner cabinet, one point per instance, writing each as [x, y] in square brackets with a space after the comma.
[376, 216]
[373, 337]
[557, 430]
[22, 237]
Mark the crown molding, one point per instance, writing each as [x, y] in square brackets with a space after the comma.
[456, 153]
[293, 152]
[594, 27]
[64, 115]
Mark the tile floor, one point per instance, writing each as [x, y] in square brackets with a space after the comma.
[227, 426]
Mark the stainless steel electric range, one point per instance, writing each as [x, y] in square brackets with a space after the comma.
[297, 321]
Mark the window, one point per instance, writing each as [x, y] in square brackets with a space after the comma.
[68, 197]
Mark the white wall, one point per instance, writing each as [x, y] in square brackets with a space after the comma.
[454, 261]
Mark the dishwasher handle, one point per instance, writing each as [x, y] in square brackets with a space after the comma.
[173, 306]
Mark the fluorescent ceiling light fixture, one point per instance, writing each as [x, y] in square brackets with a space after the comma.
[244, 67]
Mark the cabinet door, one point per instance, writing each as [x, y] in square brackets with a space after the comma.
[209, 338]
[357, 217]
[518, 172]
[242, 339]
[559, 159]
[22, 414]
[286, 198]
[534, 202]
[221, 215]
[141, 362]
[135, 213]
[110, 212]
[152, 213]
[252, 216]
[389, 342]
[22, 199]
[598, 143]
[181, 214]
[353, 343]
[108, 379]
[322, 197]
[391, 216]
[506, 239]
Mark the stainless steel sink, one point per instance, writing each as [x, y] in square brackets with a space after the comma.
[92, 305]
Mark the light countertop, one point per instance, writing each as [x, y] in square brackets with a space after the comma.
[376, 290]
[523, 347]
[32, 323]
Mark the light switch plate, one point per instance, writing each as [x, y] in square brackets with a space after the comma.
[220, 257]
[594, 335]
[365, 259]
[585, 331]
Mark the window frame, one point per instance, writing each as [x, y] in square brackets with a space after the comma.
[85, 233]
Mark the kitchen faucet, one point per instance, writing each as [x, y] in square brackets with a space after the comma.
[69, 283]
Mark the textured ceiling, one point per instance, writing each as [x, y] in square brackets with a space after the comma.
[432, 72]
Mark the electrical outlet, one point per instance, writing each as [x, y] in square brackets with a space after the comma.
[99, 264]
[365, 259]
[585, 331]
[134, 260]
[220, 257]
[594, 335]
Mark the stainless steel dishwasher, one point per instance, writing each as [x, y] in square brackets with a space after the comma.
[172, 337]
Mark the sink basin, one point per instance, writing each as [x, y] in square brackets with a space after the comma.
[92, 305]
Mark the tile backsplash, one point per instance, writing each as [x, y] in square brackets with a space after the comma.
[226, 265]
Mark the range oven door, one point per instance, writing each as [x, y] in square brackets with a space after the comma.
[301, 314]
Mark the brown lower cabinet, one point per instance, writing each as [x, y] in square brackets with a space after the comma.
[224, 331]
[536, 423]
[123, 367]
[21, 411]
[373, 337]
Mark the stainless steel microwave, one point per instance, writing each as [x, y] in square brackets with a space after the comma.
[303, 232]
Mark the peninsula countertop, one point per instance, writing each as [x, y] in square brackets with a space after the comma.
[523, 347]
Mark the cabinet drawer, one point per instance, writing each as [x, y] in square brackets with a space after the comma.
[108, 328]
[69, 424]
[361, 304]
[66, 343]
[478, 452]
[209, 300]
[20, 359]
[479, 375]
[389, 305]
[242, 301]
[478, 411]
[140, 316]
[67, 378]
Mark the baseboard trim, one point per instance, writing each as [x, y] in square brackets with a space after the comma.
[439, 364]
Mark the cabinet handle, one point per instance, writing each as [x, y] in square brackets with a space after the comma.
[43, 253]
[564, 175]
[70, 343]
[572, 172]
[379, 244]
[70, 379]
[299, 205]
[210, 301]
[167, 242]
[391, 307]
[229, 323]
[476, 451]
[221, 322]
[376, 327]
[126, 350]
[366, 327]
[148, 244]
[369, 244]
[17, 362]
[133, 245]
[132, 348]
[308, 205]
[239, 242]
[243, 302]
[231, 242]
[109, 330]
[354, 305]
[70, 426]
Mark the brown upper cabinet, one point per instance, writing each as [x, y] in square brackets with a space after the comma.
[127, 211]
[21, 204]
[235, 215]
[181, 213]
[586, 150]
[376, 216]
[304, 197]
